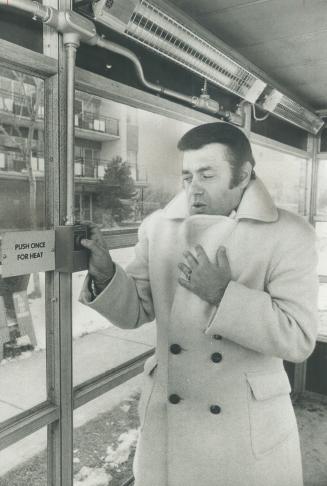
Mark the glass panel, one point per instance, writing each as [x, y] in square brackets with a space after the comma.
[322, 304]
[22, 344]
[22, 207]
[98, 345]
[285, 175]
[25, 462]
[128, 167]
[105, 436]
[21, 150]
[322, 189]
[321, 230]
[136, 170]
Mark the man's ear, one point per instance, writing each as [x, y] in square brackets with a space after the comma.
[245, 174]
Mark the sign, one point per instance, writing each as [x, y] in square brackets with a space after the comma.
[26, 252]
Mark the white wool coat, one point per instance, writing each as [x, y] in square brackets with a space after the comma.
[229, 360]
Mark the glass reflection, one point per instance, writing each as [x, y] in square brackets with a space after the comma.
[286, 177]
[322, 189]
[124, 167]
[22, 207]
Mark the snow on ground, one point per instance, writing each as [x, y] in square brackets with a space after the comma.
[127, 440]
[88, 476]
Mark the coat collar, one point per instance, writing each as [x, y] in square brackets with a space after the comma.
[256, 203]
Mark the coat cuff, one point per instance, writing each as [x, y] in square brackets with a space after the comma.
[87, 295]
[111, 302]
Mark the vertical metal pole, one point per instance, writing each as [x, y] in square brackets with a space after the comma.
[54, 140]
[300, 370]
[313, 143]
[52, 158]
[71, 43]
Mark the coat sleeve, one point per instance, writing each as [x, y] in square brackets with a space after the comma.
[127, 300]
[282, 319]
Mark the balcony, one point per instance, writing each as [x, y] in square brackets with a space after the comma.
[19, 104]
[88, 125]
[95, 169]
[15, 162]
[101, 128]
[92, 169]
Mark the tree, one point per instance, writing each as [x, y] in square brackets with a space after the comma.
[117, 191]
[154, 198]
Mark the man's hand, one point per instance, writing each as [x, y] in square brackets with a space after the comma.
[101, 266]
[203, 278]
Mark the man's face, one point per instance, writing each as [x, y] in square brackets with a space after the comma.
[207, 176]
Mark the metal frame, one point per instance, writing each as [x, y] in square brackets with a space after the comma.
[57, 412]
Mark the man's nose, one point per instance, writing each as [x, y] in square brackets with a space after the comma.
[196, 187]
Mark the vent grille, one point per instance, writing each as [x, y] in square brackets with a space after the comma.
[156, 30]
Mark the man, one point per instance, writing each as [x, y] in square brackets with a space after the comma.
[231, 281]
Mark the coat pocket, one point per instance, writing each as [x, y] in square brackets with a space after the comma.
[147, 387]
[271, 413]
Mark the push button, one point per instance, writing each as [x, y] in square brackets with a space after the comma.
[217, 337]
[174, 398]
[215, 409]
[175, 348]
[216, 357]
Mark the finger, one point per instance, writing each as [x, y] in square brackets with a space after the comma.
[222, 259]
[201, 254]
[185, 283]
[92, 246]
[96, 235]
[191, 260]
[185, 269]
[87, 243]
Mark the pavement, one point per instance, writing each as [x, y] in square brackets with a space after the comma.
[23, 381]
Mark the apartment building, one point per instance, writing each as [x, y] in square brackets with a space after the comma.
[103, 130]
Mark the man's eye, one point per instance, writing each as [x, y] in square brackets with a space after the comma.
[208, 175]
[187, 179]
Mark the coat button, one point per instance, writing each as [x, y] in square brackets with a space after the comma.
[216, 357]
[215, 409]
[217, 337]
[174, 398]
[175, 348]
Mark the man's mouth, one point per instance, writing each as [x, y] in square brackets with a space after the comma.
[198, 206]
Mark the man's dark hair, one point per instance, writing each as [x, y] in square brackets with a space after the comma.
[224, 133]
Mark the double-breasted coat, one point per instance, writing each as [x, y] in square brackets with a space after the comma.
[215, 408]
